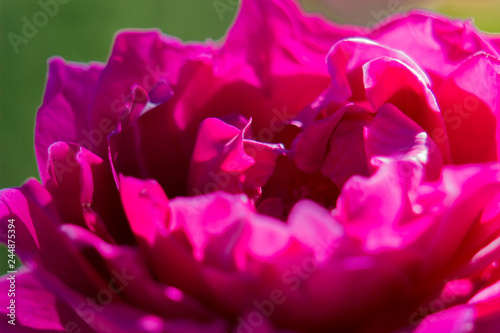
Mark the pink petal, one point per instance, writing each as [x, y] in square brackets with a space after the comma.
[218, 153]
[63, 114]
[486, 304]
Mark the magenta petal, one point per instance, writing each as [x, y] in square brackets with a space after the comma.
[272, 232]
[124, 144]
[146, 206]
[392, 134]
[36, 307]
[265, 327]
[483, 235]
[435, 42]
[63, 115]
[269, 67]
[469, 105]
[201, 261]
[65, 183]
[218, 154]
[379, 210]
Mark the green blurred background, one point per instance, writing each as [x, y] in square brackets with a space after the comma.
[83, 30]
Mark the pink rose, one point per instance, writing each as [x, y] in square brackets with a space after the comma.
[249, 186]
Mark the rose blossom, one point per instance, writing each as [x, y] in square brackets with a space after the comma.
[249, 186]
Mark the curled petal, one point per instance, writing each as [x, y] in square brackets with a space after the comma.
[345, 61]
[389, 80]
